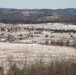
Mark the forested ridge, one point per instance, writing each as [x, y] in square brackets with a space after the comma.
[34, 16]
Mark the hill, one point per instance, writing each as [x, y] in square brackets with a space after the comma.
[22, 16]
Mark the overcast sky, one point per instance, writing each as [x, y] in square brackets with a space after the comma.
[32, 4]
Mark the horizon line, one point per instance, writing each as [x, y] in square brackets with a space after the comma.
[36, 8]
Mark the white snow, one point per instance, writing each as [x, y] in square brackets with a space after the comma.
[35, 50]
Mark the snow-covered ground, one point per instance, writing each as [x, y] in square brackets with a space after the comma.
[18, 52]
[51, 26]
[34, 51]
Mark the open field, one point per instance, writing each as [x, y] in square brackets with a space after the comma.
[48, 33]
[19, 53]
[35, 42]
[34, 51]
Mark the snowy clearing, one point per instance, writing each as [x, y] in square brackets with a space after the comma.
[34, 51]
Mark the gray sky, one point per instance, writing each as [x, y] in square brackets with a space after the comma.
[49, 4]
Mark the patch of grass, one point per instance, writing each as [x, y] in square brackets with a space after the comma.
[42, 68]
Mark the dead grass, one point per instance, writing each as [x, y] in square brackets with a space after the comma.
[42, 68]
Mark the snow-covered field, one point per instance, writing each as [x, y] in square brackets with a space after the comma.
[30, 48]
[45, 25]
[51, 26]
[35, 51]
[17, 53]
